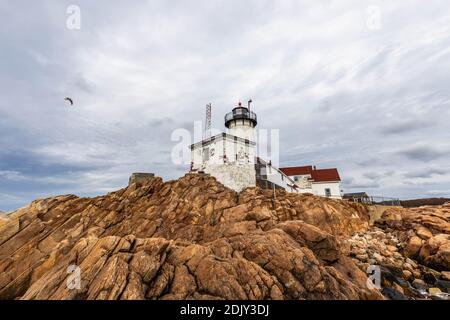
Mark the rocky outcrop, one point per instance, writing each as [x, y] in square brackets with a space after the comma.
[190, 238]
[411, 247]
[425, 232]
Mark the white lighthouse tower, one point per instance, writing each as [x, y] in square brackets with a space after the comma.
[231, 156]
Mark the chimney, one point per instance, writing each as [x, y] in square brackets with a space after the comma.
[314, 167]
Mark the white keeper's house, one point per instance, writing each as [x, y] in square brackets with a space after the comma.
[320, 182]
[232, 159]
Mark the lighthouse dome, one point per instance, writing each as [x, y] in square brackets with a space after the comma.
[241, 122]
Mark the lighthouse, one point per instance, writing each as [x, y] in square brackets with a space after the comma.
[241, 122]
[231, 157]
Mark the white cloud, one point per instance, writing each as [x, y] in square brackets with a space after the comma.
[365, 101]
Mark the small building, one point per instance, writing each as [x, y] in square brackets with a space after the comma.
[320, 182]
[361, 197]
[231, 156]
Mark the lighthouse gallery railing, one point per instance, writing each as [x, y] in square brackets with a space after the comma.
[238, 114]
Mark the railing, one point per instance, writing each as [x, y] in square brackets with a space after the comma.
[240, 114]
[379, 200]
[385, 201]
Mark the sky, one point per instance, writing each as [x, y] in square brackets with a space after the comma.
[358, 85]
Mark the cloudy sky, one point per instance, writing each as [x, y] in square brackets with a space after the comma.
[358, 85]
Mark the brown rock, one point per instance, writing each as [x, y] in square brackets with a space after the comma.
[442, 258]
[391, 248]
[417, 273]
[407, 274]
[413, 247]
[436, 252]
[190, 238]
[322, 243]
[426, 231]
[407, 266]
[377, 257]
[423, 233]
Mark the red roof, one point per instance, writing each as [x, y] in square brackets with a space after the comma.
[317, 175]
[297, 171]
[323, 175]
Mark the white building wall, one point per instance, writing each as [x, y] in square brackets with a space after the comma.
[238, 151]
[237, 172]
[243, 129]
[211, 153]
[234, 176]
[318, 188]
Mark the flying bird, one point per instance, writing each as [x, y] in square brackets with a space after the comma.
[70, 100]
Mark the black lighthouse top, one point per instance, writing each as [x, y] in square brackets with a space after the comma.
[240, 113]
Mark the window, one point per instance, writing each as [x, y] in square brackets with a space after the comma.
[327, 192]
[296, 179]
[205, 154]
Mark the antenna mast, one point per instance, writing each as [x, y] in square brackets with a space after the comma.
[207, 133]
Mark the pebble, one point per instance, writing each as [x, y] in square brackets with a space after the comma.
[411, 262]
[407, 266]
[417, 274]
[407, 274]
[410, 233]
[380, 248]
[392, 248]
[419, 284]
[397, 255]
[362, 257]
[378, 257]
[434, 291]
[393, 242]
